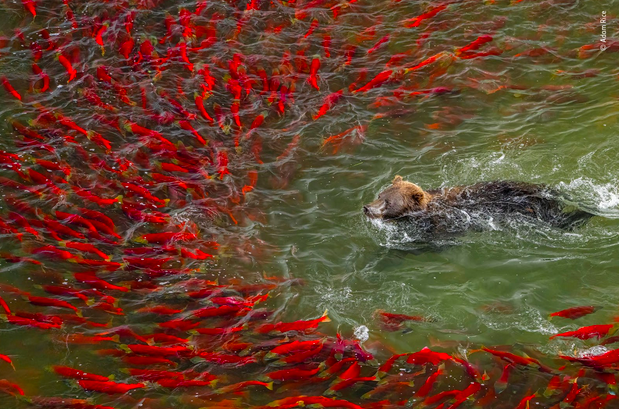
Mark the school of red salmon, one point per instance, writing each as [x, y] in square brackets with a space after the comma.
[97, 209]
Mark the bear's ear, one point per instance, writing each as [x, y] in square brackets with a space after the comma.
[397, 179]
[417, 196]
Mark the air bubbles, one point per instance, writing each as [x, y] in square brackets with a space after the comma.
[362, 333]
[593, 351]
[604, 196]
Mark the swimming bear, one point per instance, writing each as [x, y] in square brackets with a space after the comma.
[457, 209]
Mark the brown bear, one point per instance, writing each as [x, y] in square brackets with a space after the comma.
[460, 208]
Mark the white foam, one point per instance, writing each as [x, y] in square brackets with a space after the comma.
[529, 320]
[593, 351]
[362, 333]
[389, 234]
[604, 196]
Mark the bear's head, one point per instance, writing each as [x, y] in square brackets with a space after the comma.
[397, 200]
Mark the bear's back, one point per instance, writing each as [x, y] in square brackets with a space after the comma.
[461, 208]
[502, 196]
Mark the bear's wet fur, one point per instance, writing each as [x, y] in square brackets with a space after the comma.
[461, 208]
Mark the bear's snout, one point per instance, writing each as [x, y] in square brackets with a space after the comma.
[373, 210]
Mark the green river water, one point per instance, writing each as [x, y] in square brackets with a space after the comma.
[547, 124]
